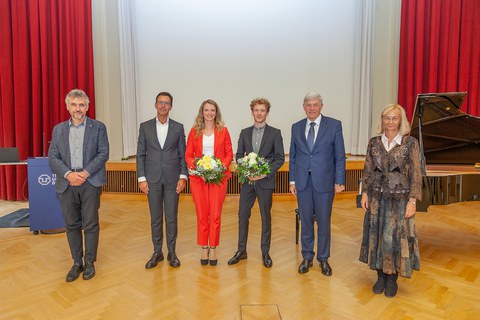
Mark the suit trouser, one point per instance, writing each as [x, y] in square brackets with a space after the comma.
[163, 198]
[319, 204]
[248, 194]
[80, 210]
[208, 199]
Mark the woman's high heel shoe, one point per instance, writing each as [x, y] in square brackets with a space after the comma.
[204, 262]
[213, 262]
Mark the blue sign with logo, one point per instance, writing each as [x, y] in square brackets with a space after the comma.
[45, 212]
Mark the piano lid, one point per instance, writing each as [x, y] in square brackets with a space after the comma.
[447, 134]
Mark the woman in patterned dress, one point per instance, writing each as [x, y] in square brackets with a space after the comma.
[392, 183]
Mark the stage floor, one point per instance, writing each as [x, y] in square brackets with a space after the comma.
[33, 269]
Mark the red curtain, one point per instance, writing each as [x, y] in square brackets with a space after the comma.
[45, 51]
[440, 51]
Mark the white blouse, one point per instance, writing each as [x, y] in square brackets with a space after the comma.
[208, 144]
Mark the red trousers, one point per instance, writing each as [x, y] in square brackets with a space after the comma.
[208, 199]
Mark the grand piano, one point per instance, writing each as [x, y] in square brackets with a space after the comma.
[450, 149]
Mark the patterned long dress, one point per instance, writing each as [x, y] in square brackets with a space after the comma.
[390, 178]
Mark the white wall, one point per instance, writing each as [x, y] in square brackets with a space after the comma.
[233, 51]
[321, 71]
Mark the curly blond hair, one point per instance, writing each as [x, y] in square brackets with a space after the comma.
[263, 101]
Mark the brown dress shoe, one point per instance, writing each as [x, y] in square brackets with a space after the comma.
[154, 260]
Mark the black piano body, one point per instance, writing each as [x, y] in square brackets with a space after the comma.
[450, 147]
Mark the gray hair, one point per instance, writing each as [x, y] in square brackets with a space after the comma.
[77, 93]
[313, 96]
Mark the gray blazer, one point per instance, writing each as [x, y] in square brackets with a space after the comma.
[95, 153]
[271, 148]
[155, 162]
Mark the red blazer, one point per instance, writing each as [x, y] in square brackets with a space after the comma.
[222, 149]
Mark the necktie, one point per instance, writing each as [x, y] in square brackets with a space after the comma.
[311, 136]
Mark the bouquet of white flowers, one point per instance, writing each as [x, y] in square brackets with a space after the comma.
[209, 168]
[250, 166]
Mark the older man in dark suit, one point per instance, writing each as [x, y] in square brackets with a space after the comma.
[317, 172]
[162, 174]
[78, 152]
[267, 142]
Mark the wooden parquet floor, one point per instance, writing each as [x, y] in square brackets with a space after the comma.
[33, 269]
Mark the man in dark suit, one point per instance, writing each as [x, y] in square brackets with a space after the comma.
[317, 172]
[266, 141]
[78, 152]
[162, 174]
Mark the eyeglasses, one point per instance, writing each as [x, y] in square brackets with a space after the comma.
[393, 119]
[163, 103]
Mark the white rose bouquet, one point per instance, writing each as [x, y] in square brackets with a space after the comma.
[251, 165]
[209, 168]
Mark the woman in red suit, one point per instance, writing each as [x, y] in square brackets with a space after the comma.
[208, 136]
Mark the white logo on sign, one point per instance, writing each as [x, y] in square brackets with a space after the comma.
[44, 179]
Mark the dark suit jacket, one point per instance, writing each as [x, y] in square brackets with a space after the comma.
[222, 149]
[327, 160]
[271, 148]
[95, 153]
[155, 162]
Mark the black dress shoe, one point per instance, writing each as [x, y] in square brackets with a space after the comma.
[74, 272]
[326, 269]
[88, 271]
[154, 260]
[305, 266]
[174, 261]
[204, 262]
[212, 252]
[239, 255]
[267, 261]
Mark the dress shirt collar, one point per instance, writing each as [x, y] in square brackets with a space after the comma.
[396, 141]
[162, 124]
[83, 123]
[317, 121]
